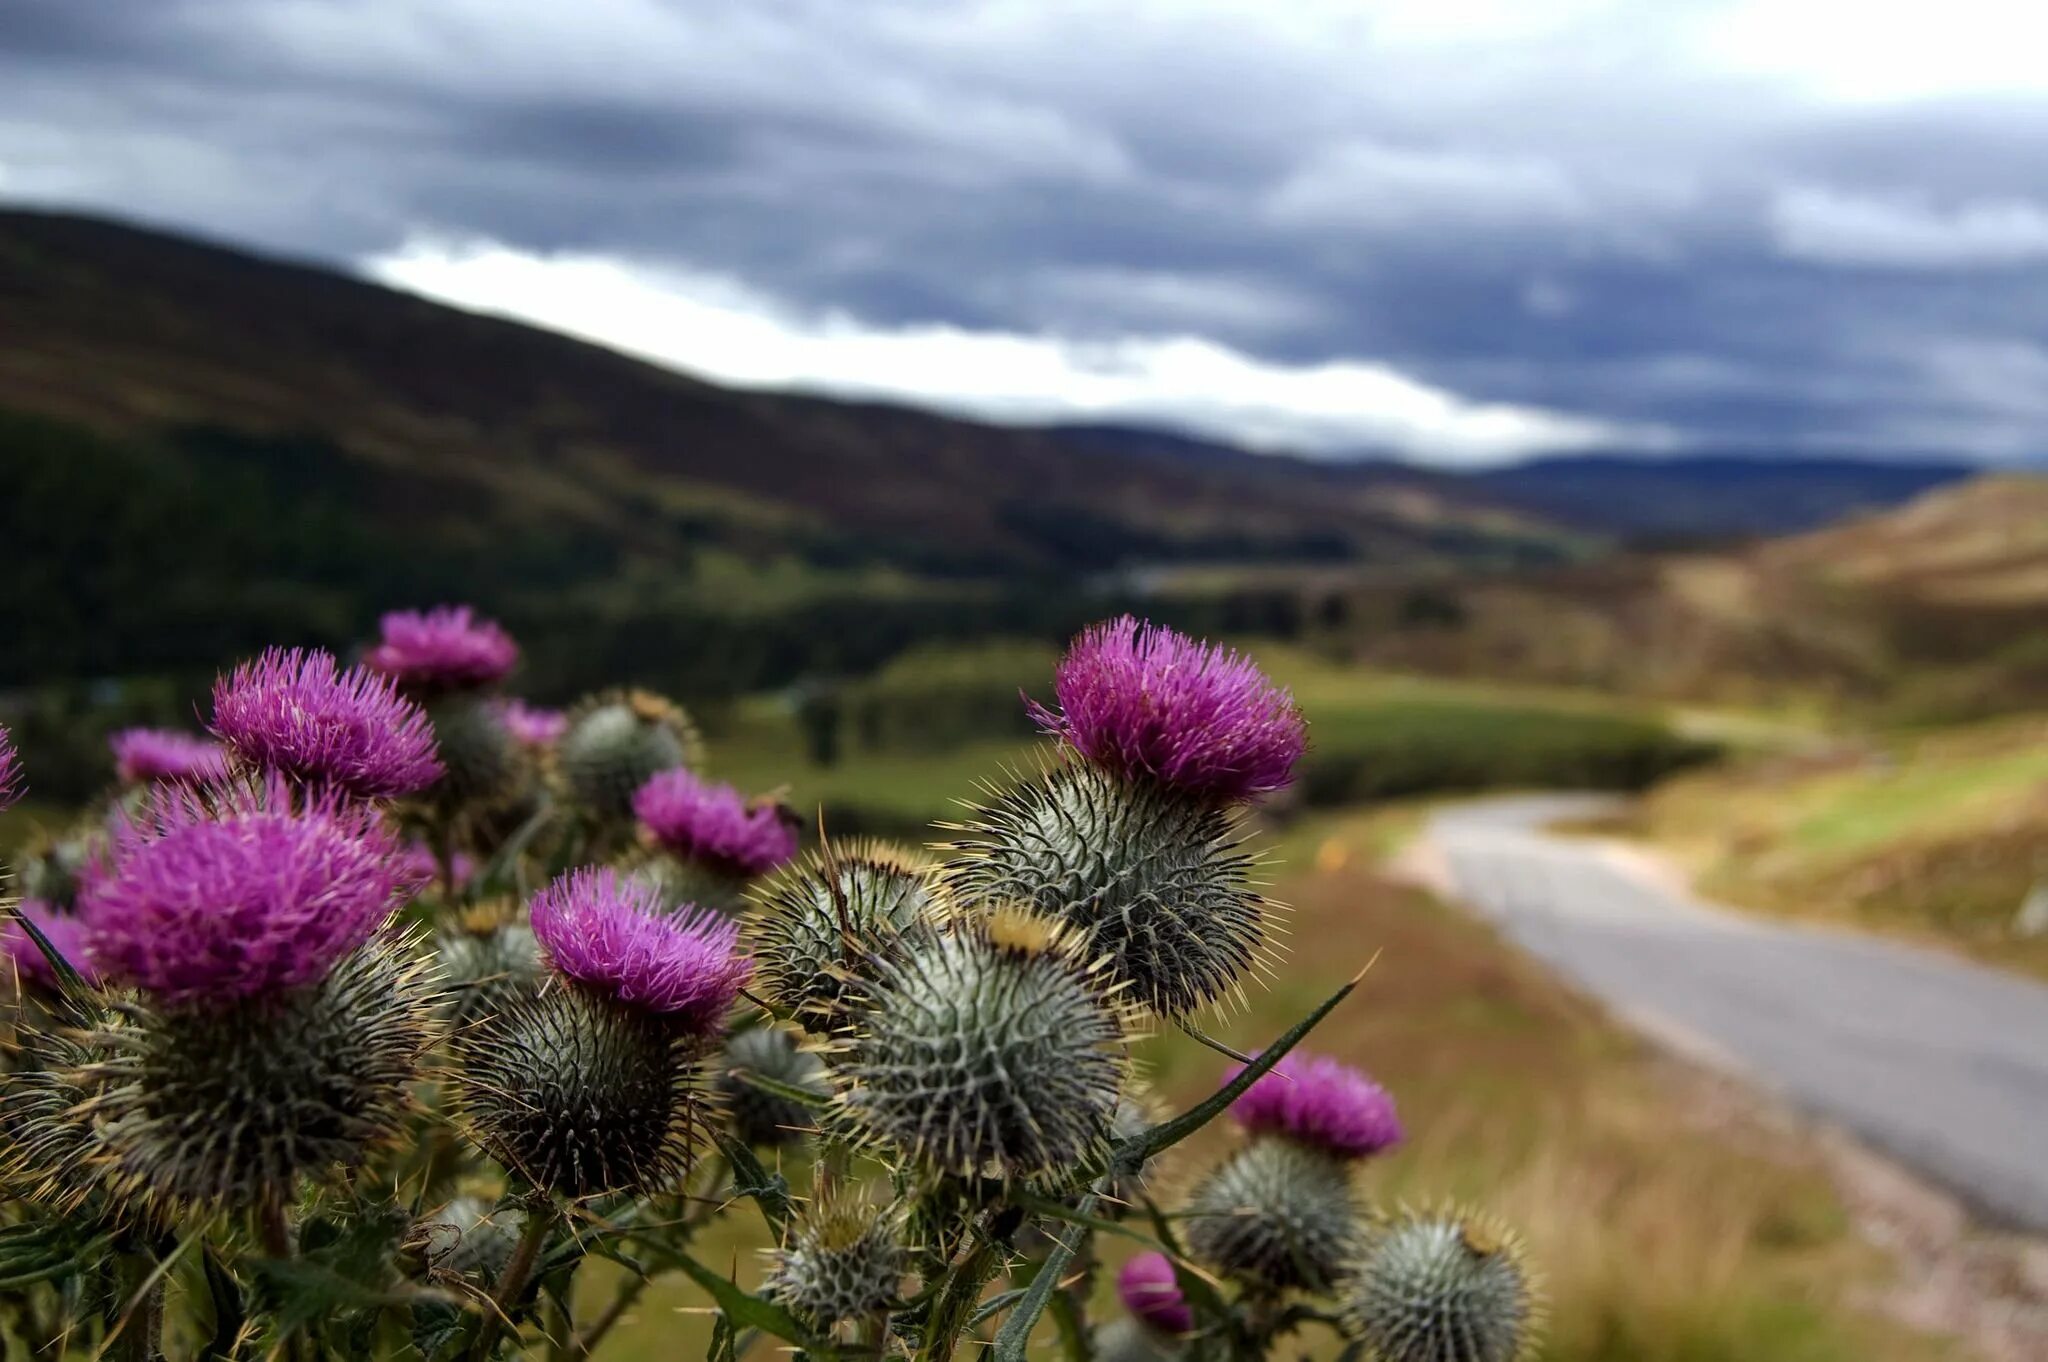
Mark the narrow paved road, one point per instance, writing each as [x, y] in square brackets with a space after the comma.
[1941, 1064]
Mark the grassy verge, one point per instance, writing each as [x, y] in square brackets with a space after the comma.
[1670, 1231]
[1936, 836]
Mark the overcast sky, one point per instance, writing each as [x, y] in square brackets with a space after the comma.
[1460, 230]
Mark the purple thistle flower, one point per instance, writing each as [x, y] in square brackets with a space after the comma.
[1144, 701]
[297, 713]
[1147, 1287]
[63, 931]
[530, 724]
[450, 647]
[1320, 1102]
[10, 771]
[205, 906]
[699, 820]
[420, 864]
[611, 933]
[142, 755]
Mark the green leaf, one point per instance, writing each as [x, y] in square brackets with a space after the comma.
[69, 980]
[770, 1191]
[748, 1310]
[229, 1314]
[995, 1305]
[1132, 1152]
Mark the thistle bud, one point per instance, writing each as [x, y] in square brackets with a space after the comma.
[1151, 881]
[615, 744]
[1441, 1287]
[486, 767]
[765, 1118]
[821, 927]
[487, 961]
[1276, 1213]
[987, 1052]
[844, 1260]
[469, 1237]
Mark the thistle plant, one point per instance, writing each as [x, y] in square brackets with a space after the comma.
[361, 1028]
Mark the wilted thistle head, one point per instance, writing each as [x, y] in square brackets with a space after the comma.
[589, 1086]
[529, 724]
[1154, 882]
[64, 933]
[987, 1051]
[228, 1101]
[1321, 1103]
[142, 755]
[447, 648]
[615, 743]
[1274, 1212]
[10, 771]
[611, 934]
[760, 1117]
[844, 1260]
[1148, 1289]
[211, 906]
[819, 927]
[299, 715]
[699, 820]
[1441, 1287]
[1148, 703]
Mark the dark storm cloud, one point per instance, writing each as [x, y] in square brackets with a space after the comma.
[1584, 208]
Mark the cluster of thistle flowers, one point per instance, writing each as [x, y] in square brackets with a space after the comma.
[394, 960]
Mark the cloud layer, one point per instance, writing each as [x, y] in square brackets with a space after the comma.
[1461, 229]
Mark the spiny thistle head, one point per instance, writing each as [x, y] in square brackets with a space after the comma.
[1147, 1287]
[820, 926]
[1321, 1103]
[447, 648]
[143, 755]
[51, 1153]
[231, 1105]
[1127, 1339]
[51, 868]
[65, 933]
[844, 1260]
[616, 743]
[987, 1051]
[1277, 1213]
[697, 819]
[1155, 883]
[298, 714]
[1441, 1287]
[10, 770]
[760, 1117]
[580, 1095]
[610, 934]
[530, 724]
[469, 1237]
[484, 766]
[1148, 703]
[205, 907]
[486, 966]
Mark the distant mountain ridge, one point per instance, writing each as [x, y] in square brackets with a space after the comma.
[1707, 496]
[202, 450]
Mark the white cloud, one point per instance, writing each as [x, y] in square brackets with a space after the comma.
[1364, 183]
[1831, 227]
[1856, 51]
[721, 329]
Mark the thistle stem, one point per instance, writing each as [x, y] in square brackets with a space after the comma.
[272, 1228]
[540, 1218]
